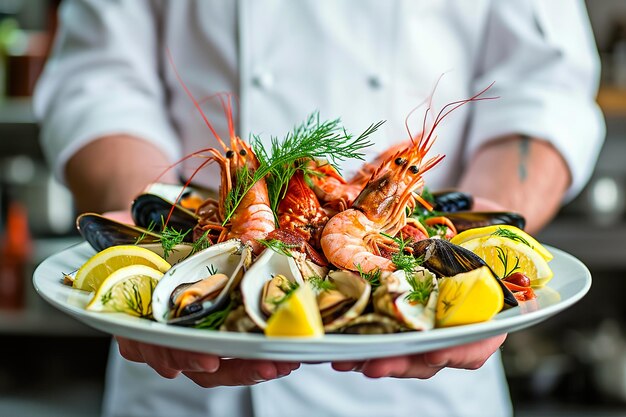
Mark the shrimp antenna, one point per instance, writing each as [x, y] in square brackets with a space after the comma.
[449, 108]
[429, 100]
[193, 99]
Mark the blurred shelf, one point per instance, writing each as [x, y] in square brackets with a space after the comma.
[18, 128]
[612, 100]
[43, 323]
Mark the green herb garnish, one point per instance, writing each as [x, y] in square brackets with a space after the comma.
[212, 269]
[420, 289]
[503, 256]
[288, 287]
[373, 277]
[214, 320]
[277, 246]
[171, 237]
[310, 140]
[511, 235]
[201, 244]
[402, 260]
[320, 284]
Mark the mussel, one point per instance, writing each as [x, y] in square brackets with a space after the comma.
[102, 232]
[464, 220]
[150, 211]
[270, 268]
[201, 284]
[451, 201]
[446, 259]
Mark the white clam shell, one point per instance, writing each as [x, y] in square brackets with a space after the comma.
[230, 258]
[267, 265]
[354, 286]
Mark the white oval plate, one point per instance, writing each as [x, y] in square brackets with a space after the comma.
[571, 282]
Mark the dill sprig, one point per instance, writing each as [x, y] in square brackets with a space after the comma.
[420, 289]
[310, 140]
[171, 237]
[320, 284]
[214, 320]
[149, 229]
[503, 256]
[201, 244]
[277, 246]
[373, 277]
[405, 261]
[132, 299]
[511, 235]
[212, 269]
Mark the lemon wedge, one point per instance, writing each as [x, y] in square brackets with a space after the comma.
[91, 275]
[470, 297]
[510, 232]
[505, 256]
[127, 290]
[297, 316]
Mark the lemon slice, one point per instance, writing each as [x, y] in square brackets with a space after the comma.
[298, 316]
[470, 297]
[504, 230]
[497, 250]
[102, 264]
[127, 290]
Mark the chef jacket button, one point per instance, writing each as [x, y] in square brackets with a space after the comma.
[375, 82]
[263, 80]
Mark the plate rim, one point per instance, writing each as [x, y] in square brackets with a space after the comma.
[138, 327]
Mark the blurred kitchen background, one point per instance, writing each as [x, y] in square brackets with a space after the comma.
[50, 365]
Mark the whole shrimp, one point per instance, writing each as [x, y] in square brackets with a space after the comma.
[246, 215]
[353, 238]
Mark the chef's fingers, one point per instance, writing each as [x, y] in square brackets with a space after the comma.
[166, 361]
[426, 365]
[236, 372]
[470, 356]
[346, 366]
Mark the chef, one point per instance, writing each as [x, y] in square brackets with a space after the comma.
[114, 115]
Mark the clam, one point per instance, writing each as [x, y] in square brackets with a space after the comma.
[345, 300]
[372, 323]
[446, 259]
[271, 276]
[200, 285]
[393, 298]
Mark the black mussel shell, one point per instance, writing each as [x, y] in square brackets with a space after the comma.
[464, 220]
[102, 232]
[446, 259]
[150, 211]
[451, 201]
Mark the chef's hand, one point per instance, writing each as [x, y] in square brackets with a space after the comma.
[208, 371]
[426, 365]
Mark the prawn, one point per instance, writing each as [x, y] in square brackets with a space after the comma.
[356, 238]
[250, 217]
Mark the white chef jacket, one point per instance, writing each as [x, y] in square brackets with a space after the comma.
[361, 60]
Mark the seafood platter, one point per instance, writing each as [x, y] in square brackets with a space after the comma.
[290, 260]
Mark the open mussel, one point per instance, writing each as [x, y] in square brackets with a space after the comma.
[451, 201]
[200, 285]
[272, 276]
[150, 211]
[446, 259]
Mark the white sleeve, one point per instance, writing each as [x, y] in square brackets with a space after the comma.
[102, 78]
[542, 57]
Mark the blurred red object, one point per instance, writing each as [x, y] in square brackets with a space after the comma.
[15, 251]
